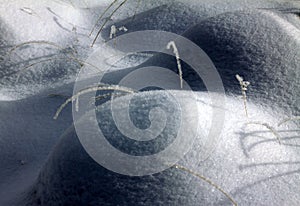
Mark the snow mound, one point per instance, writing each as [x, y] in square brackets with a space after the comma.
[178, 16]
[248, 162]
[48, 54]
[28, 134]
[260, 45]
[256, 45]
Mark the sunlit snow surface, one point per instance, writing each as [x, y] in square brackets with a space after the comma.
[258, 39]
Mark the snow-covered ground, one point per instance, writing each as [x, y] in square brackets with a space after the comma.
[42, 160]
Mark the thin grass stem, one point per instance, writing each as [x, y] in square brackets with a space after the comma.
[208, 181]
[172, 45]
[103, 25]
[288, 120]
[92, 89]
[269, 127]
[101, 16]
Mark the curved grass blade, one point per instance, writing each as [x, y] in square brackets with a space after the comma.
[80, 62]
[208, 181]
[100, 17]
[269, 127]
[92, 89]
[288, 120]
[103, 25]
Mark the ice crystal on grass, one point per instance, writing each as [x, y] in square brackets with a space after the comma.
[244, 85]
[172, 45]
[114, 30]
[123, 28]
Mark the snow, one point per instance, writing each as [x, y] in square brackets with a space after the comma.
[248, 162]
[51, 20]
[42, 161]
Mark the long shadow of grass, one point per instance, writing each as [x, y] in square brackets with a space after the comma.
[240, 189]
[258, 134]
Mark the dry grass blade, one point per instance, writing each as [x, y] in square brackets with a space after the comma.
[104, 96]
[31, 65]
[92, 89]
[52, 59]
[58, 95]
[109, 17]
[37, 42]
[101, 16]
[136, 9]
[288, 120]
[172, 45]
[269, 127]
[208, 181]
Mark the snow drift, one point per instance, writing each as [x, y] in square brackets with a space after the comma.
[248, 163]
